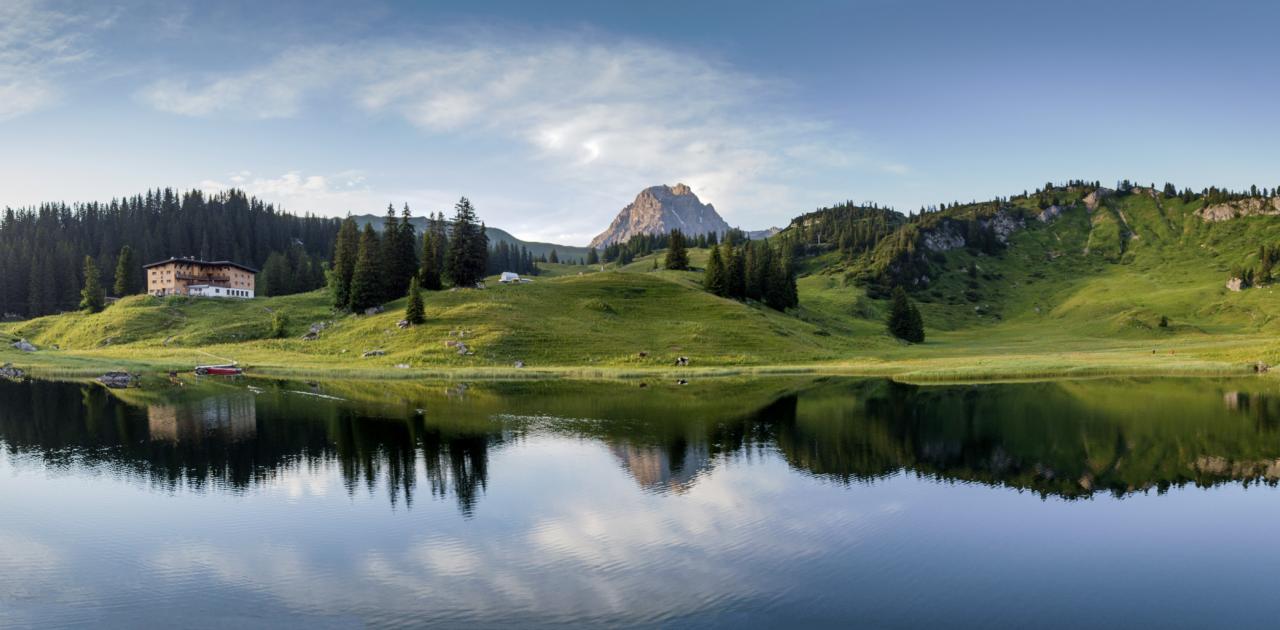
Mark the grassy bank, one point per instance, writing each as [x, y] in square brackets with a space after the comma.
[1055, 303]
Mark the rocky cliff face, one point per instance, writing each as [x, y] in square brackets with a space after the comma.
[660, 209]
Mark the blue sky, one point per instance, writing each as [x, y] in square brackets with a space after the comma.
[552, 116]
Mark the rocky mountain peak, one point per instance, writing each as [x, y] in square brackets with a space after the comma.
[660, 209]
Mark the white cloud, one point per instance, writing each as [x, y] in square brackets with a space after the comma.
[36, 45]
[332, 194]
[601, 121]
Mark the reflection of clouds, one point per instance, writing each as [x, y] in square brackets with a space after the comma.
[604, 552]
[565, 535]
[27, 566]
[36, 584]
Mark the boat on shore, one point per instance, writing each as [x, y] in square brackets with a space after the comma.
[218, 370]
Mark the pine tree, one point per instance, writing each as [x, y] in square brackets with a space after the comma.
[366, 283]
[469, 248]
[404, 254]
[345, 250]
[677, 252]
[715, 279]
[277, 277]
[391, 271]
[735, 272]
[553, 258]
[414, 312]
[434, 243]
[91, 296]
[124, 284]
[904, 319]
[593, 258]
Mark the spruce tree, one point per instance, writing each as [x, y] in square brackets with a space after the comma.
[91, 296]
[414, 312]
[904, 320]
[677, 251]
[779, 286]
[405, 254]
[345, 250]
[469, 247]
[124, 284]
[429, 273]
[715, 278]
[593, 258]
[277, 277]
[735, 272]
[553, 258]
[366, 280]
[391, 271]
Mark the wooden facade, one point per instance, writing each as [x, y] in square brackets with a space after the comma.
[189, 276]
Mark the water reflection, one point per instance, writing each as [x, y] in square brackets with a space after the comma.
[1064, 439]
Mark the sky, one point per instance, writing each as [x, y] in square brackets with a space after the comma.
[552, 116]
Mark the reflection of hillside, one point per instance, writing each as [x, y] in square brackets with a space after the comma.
[1067, 439]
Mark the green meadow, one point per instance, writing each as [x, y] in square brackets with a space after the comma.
[1081, 295]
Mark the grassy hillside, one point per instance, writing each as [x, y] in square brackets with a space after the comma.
[597, 319]
[1081, 292]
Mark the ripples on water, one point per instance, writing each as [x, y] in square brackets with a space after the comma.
[775, 502]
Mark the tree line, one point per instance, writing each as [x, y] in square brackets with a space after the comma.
[751, 270]
[42, 248]
[370, 269]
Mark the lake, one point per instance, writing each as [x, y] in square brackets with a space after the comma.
[772, 502]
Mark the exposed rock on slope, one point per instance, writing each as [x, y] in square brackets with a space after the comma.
[660, 209]
[950, 234]
[1240, 208]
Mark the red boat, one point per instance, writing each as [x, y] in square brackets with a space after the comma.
[218, 370]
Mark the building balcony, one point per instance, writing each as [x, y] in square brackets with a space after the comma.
[202, 279]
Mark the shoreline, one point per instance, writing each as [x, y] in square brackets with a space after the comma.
[941, 370]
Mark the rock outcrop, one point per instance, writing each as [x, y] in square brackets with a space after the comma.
[951, 234]
[1094, 199]
[1254, 206]
[660, 209]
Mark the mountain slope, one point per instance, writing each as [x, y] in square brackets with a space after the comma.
[660, 209]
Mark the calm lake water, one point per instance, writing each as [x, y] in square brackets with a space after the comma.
[776, 502]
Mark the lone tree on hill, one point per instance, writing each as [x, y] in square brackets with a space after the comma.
[366, 280]
[415, 313]
[91, 296]
[469, 249]
[904, 321]
[124, 273]
[345, 249]
[677, 252]
[715, 278]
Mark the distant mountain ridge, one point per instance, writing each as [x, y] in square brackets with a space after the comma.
[495, 235]
[660, 209]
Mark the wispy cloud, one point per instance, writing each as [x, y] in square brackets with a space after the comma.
[37, 43]
[329, 194]
[602, 120]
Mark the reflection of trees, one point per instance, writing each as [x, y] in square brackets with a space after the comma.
[236, 441]
[1054, 439]
[1064, 439]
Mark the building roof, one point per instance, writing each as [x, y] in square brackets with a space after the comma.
[206, 263]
